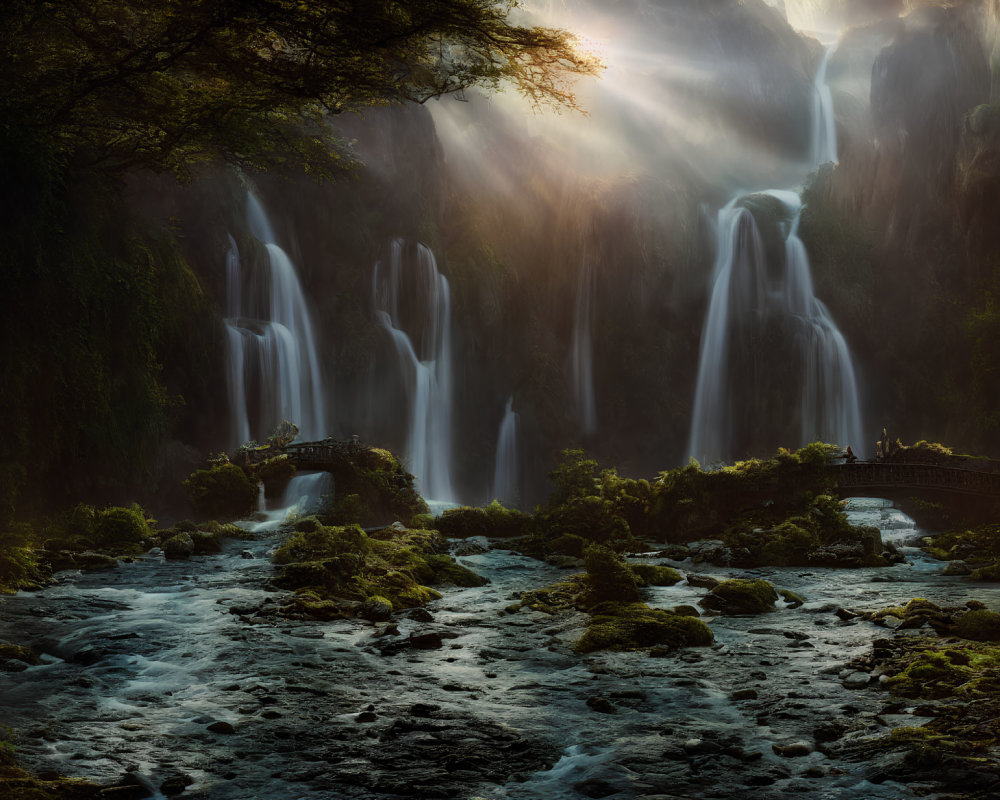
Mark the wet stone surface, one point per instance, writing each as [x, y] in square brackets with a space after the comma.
[146, 672]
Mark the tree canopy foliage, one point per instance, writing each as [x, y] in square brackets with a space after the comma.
[166, 84]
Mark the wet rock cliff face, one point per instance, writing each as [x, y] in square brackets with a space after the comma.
[897, 231]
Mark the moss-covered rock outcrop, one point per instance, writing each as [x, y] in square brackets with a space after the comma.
[636, 626]
[738, 596]
[341, 571]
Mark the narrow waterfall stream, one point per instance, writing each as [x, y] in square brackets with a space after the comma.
[506, 463]
[138, 662]
[764, 294]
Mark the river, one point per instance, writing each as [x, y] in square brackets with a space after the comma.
[138, 662]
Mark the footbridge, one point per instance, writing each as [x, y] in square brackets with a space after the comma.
[862, 477]
[329, 455]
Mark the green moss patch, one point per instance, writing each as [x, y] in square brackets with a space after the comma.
[635, 626]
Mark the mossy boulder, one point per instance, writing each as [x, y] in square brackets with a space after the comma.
[635, 626]
[492, 521]
[222, 491]
[344, 564]
[738, 596]
[180, 545]
[989, 574]
[656, 575]
[17, 652]
[979, 626]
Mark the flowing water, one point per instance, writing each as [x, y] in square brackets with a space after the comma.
[274, 372]
[412, 302]
[506, 464]
[138, 662]
[755, 292]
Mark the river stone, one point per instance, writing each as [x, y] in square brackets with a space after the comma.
[421, 615]
[856, 680]
[957, 567]
[246, 554]
[473, 546]
[221, 727]
[18, 652]
[744, 694]
[594, 787]
[376, 609]
[426, 641]
[176, 784]
[702, 581]
[793, 750]
[601, 704]
[179, 546]
[89, 561]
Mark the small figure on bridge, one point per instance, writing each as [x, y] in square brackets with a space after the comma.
[849, 456]
[882, 448]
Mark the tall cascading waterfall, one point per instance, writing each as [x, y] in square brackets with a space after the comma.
[752, 298]
[274, 370]
[506, 464]
[583, 351]
[412, 302]
[823, 144]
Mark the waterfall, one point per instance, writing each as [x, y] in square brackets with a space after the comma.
[583, 356]
[273, 363]
[412, 302]
[755, 292]
[823, 145]
[506, 467]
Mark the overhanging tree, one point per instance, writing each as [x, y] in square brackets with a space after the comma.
[166, 84]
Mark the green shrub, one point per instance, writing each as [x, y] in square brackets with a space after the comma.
[608, 576]
[493, 521]
[222, 491]
[568, 545]
[119, 525]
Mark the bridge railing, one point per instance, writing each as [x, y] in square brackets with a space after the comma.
[873, 473]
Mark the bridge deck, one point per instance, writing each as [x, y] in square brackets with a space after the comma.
[879, 474]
